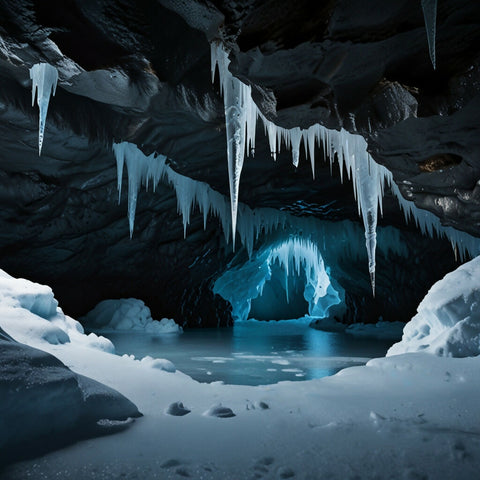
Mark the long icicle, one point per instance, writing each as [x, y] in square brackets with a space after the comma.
[44, 83]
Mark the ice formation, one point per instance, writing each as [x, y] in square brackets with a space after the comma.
[191, 194]
[44, 83]
[127, 314]
[429, 8]
[448, 319]
[240, 120]
[295, 256]
[350, 150]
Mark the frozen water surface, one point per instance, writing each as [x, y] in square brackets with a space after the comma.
[254, 352]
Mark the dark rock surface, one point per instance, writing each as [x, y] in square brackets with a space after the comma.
[139, 71]
[44, 405]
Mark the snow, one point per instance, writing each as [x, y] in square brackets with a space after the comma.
[448, 319]
[403, 417]
[29, 311]
[406, 416]
[127, 314]
[159, 364]
[44, 83]
[429, 8]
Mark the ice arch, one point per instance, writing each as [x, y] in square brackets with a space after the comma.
[296, 256]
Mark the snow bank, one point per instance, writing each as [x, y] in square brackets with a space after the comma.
[448, 318]
[127, 314]
[30, 314]
[159, 364]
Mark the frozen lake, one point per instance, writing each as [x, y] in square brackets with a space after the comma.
[253, 352]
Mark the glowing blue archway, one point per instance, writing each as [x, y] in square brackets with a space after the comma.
[296, 256]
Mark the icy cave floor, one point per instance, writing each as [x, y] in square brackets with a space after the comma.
[408, 416]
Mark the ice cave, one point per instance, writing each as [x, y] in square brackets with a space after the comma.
[239, 239]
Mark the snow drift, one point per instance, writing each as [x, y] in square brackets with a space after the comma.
[30, 313]
[127, 314]
[448, 318]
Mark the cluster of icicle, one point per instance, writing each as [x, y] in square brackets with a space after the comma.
[350, 150]
[149, 171]
[302, 255]
[241, 114]
[296, 256]
[44, 84]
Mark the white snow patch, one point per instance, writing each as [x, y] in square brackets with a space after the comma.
[127, 314]
[30, 314]
[448, 318]
[159, 364]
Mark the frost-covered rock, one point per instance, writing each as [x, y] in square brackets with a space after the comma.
[127, 314]
[44, 404]
[448, 318]
[30, 314]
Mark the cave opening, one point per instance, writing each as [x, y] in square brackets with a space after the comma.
[281, 298]
[286, 279]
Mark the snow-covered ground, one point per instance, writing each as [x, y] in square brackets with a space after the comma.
[409, 416]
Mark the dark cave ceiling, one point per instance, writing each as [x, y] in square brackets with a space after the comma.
[139, 71]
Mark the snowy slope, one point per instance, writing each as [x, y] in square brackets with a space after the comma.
[404, 417]
[448, 318]
[43, 404]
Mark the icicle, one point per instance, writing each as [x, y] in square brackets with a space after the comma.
[120, 158]
[44, 83]
[295, 138]
[239, 109]
[430, 15]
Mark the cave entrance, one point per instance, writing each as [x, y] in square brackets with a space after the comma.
[284, 280]
[281, 297]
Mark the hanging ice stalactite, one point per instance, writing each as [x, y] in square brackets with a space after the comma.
[240, 120]
[241, 114]
[44, 83]
[429, 8]
[265, 221]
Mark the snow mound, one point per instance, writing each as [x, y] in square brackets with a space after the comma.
[127, 314]
[159, 364]
[448, 320]
[177, 409]
[30, 314]
[219, 411]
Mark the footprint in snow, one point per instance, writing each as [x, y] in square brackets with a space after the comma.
[219, 411]
[173, 462]
[257, 405]
[177, 409]
[263, 467]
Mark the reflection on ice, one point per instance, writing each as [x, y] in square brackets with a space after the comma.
[255, 353]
